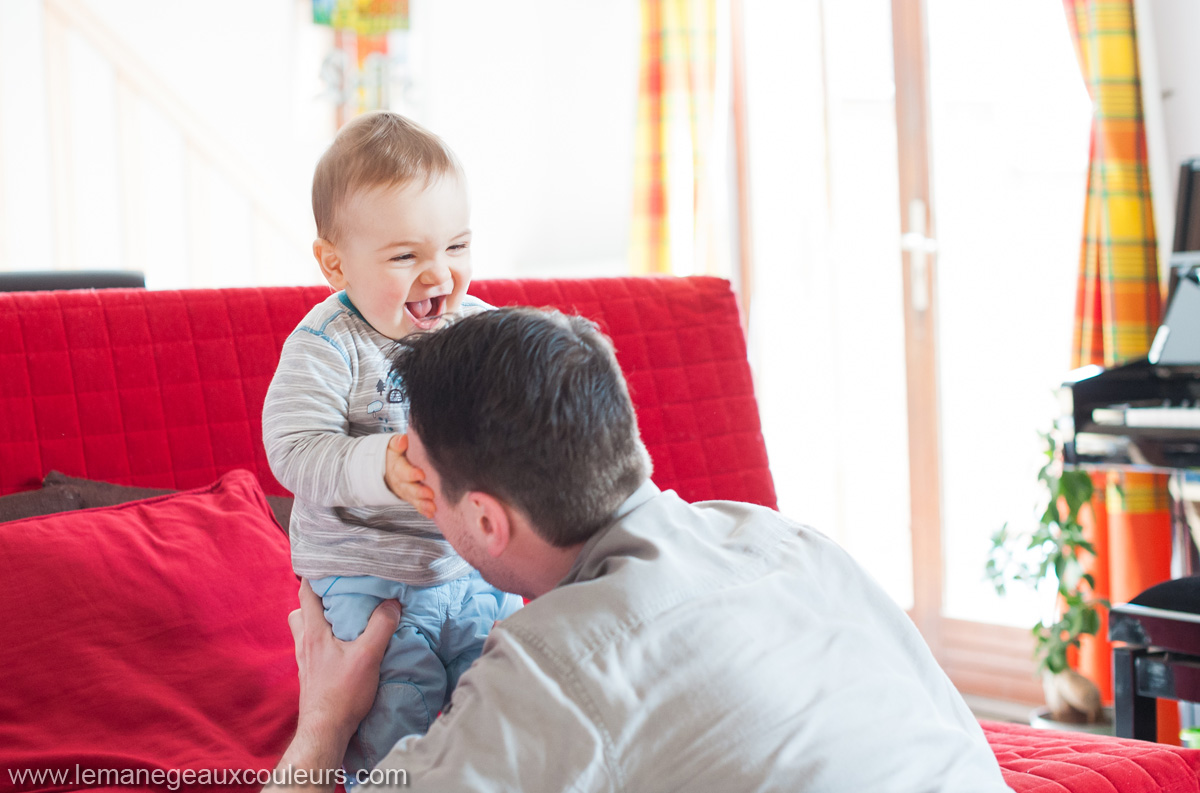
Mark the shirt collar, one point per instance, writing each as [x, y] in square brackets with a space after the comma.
[645, 492]
[344, 299]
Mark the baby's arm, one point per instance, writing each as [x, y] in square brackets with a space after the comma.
[305, 426]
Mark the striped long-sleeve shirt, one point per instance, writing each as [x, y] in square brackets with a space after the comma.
[330, 411]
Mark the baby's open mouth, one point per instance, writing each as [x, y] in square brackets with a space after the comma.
[426, 313]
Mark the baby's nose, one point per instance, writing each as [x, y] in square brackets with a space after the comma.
[437, 273]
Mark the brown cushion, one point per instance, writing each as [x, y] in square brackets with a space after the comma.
[47, 501]
[106, 494]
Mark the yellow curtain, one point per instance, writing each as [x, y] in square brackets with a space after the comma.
[1117, 311]
[671, 231]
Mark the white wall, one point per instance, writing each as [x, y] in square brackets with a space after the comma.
[1169, 32]
[538, 97]
[1177, 44]
[247, 86]
[26, 235]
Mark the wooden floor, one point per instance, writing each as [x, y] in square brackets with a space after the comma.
[999, 710]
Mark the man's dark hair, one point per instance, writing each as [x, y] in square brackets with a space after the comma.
[528, 406]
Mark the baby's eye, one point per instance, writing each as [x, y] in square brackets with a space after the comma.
[462, 246]
[403, 257]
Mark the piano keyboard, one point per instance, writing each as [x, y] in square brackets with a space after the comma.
[1159, 418]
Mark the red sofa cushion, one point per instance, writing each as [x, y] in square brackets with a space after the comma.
[165, 389]
[150, 635]
[1046, 761]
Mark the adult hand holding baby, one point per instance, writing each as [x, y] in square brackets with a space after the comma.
[406, 481]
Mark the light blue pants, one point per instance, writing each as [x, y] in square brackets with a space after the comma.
[441, 633]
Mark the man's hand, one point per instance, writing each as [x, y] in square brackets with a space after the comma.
[337, 679]
[337, 685]
[406, 481]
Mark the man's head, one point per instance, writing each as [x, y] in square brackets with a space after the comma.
[529, 407]
[393, 220]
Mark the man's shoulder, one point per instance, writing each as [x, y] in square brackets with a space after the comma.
[701, 609]
[668, 560]
[662, 556]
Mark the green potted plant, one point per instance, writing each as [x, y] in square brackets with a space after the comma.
[1051, 554]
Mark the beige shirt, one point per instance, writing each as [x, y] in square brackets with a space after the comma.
[715, 646]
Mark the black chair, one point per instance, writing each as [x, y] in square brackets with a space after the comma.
[1161, 656]
[52, 280]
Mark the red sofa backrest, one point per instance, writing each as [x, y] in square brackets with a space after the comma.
[165, 388]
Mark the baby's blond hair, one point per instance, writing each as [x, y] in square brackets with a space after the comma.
[381, 149]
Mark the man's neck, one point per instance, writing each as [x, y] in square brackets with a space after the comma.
[547, 565]
[552, 567]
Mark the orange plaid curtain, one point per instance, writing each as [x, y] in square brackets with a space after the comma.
[675, 126]
[1117, 310]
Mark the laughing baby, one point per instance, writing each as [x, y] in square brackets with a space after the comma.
[393, 226]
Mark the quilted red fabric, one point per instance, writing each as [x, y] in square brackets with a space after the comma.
[680, 343]
[152, 636]
[1046, 761]
[165, 389]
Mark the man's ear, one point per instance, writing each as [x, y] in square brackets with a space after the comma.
[492, 520]
[330, 262]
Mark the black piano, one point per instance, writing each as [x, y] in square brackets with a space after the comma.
[1145, 416]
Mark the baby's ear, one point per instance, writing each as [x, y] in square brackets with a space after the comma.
[330, 262]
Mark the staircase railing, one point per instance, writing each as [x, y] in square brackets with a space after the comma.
[205, 150]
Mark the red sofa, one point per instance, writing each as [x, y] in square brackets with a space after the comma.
[149, 637]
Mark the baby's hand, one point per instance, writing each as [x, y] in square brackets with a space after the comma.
[406, 481]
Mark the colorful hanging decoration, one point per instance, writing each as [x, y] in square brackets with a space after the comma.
[362, 17]
[361, 71]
